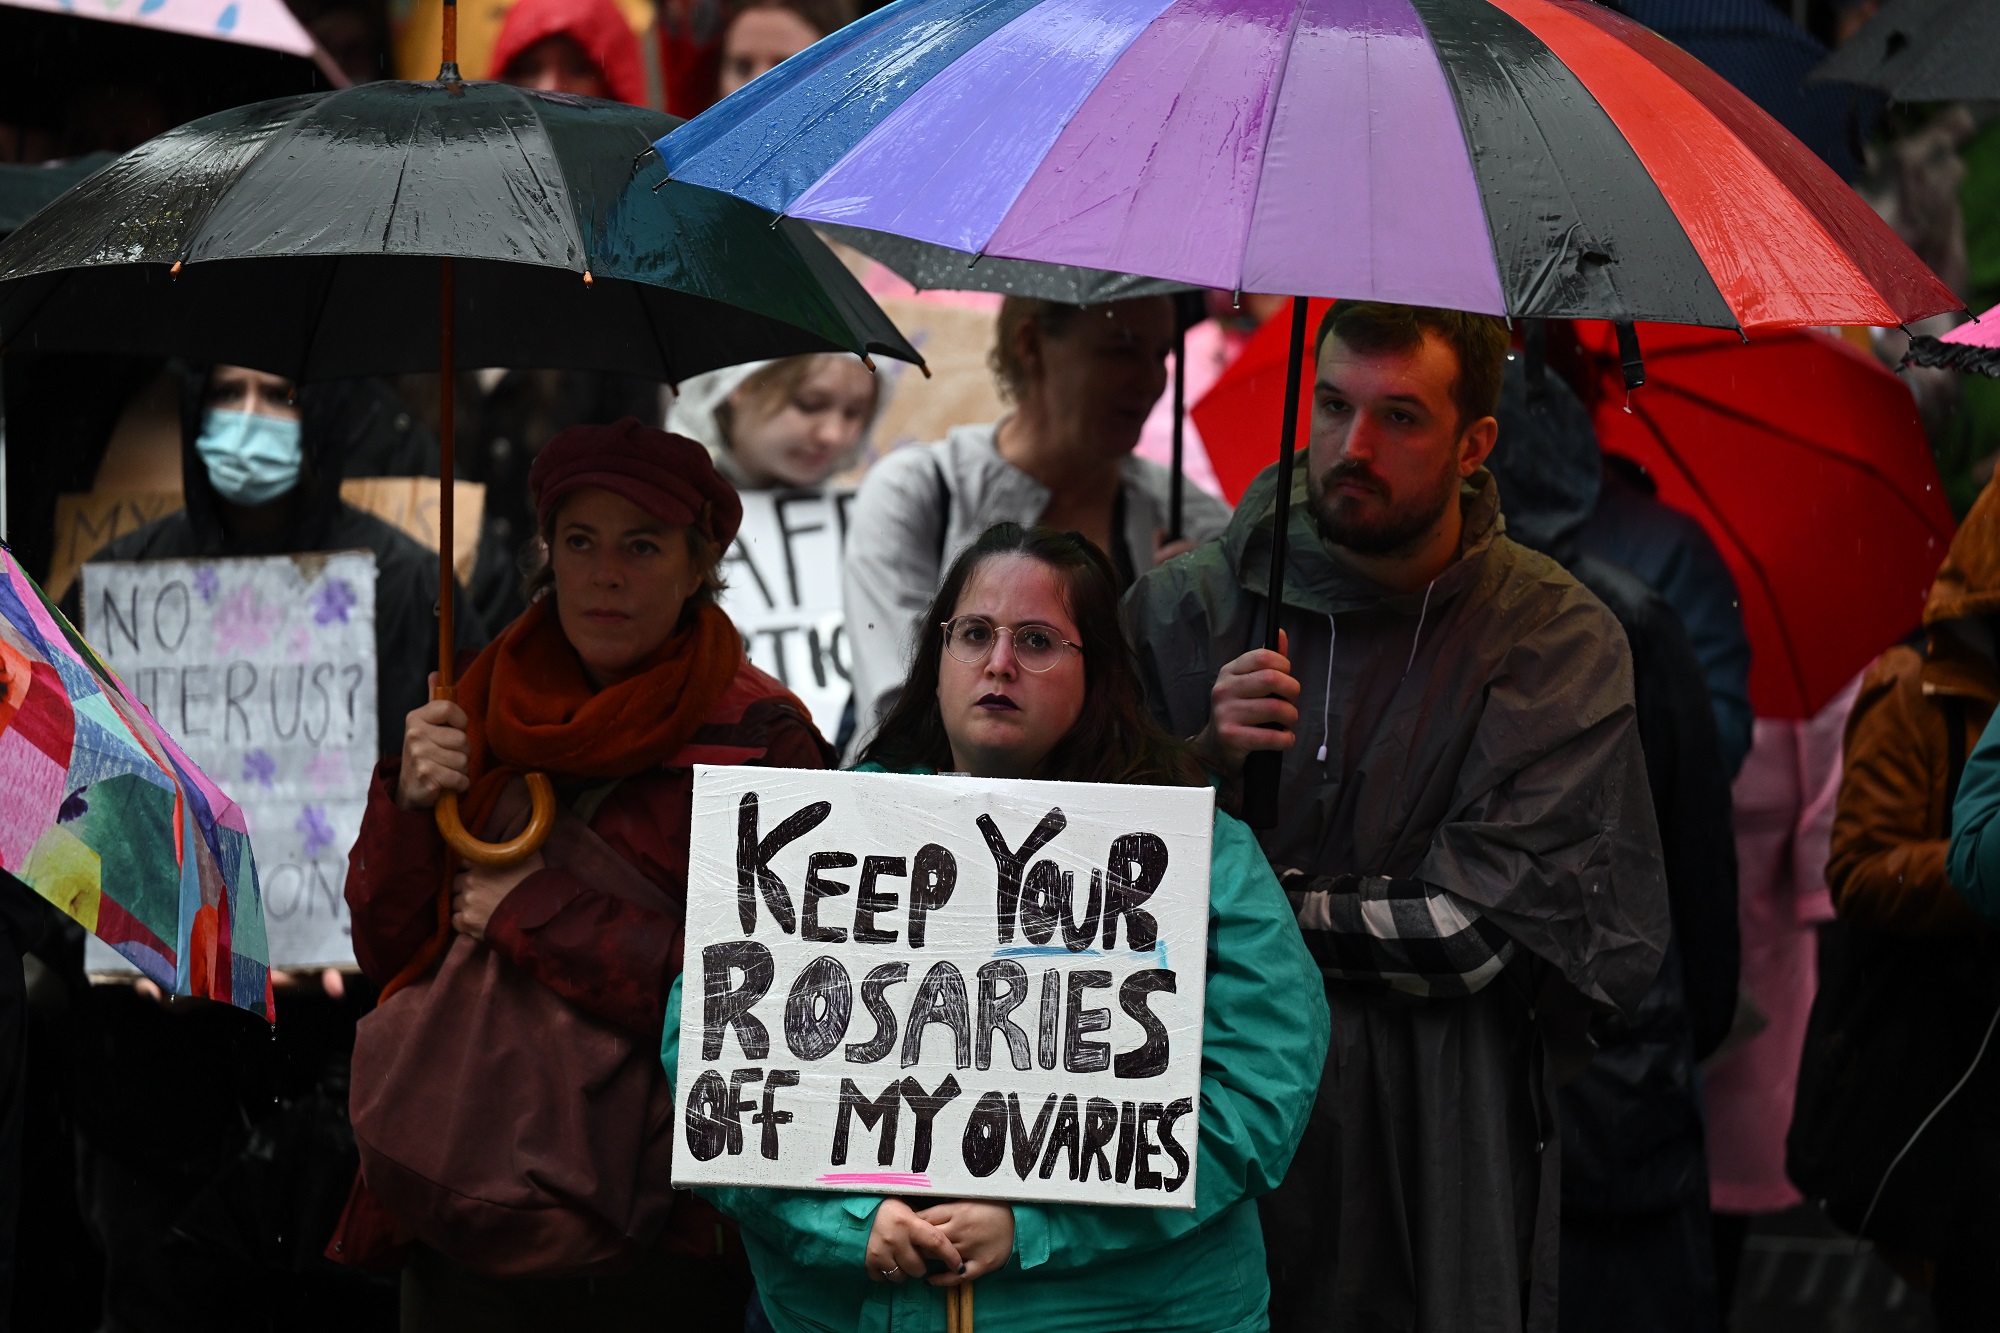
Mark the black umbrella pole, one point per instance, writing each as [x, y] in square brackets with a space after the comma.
[447, 584]
[1178, 481]
[1261, 769]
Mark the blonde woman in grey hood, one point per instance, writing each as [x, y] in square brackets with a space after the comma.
[773, 424]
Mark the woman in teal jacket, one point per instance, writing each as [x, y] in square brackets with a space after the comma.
[1028, 674]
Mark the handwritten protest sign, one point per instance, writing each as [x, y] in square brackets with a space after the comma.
[264, 671]
[947, 986]
[783, 572]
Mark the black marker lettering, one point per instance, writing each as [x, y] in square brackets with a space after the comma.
[817, 888]
[884, 1040]
[940, 999]
[817, 1010]
[872, 902]
[994, 1006]
[1137, 864]
[1080, 1056]
[753, 860]
[1010, 863]
[724, 1005]
[1150, 1057]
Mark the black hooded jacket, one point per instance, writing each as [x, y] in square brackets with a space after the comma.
[1632, 1133]
[333, 421]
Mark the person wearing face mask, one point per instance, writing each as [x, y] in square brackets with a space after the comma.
[261, 470]
[1082, 380]
[1024, 671]
[771, 424]
[260, 475]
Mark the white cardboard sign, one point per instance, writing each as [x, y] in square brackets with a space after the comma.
[944, 986]
[783, 572]
[264, 671]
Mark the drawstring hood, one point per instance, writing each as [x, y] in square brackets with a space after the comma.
[1333, 640]
[1326, 699]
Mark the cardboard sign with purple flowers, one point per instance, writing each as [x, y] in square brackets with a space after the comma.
[264, 671]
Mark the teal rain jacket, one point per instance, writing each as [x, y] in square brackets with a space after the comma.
[1264, 1037]
[1974, 864]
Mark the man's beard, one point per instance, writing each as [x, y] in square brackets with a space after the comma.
[1388, 532]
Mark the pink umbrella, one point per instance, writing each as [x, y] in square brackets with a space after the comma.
[265, 23]
[1973, 348]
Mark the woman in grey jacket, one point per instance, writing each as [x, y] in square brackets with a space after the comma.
[1082, 380]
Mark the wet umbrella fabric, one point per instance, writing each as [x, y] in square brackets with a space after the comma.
[1923, 51]
[307, 232]
[104, 816]
[1803, 458]
[1521, 157]
[1972, 348]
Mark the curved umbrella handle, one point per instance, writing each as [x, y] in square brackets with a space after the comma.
[541, 818]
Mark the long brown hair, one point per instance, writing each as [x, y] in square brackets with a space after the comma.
[1114, 740]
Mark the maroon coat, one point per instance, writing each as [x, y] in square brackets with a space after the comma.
[613, 959]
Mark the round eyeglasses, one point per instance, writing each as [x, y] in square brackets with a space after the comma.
[970, 639]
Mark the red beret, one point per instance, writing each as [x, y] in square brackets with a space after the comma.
[669, 476]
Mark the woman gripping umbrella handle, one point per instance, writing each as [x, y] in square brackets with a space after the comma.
[437, 757]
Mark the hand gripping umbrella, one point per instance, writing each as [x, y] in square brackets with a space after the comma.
[399, 226]
[1534, 158]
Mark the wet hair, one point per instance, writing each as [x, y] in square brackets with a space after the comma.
[538, 574]
[1114, 739]
[1478, 341]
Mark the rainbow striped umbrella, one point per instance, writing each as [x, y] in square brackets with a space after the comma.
[104, 816]
[1539, 158]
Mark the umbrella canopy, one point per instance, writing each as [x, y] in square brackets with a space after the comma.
[104, 816]
[1767, 57]
[1973, 348]
[1803, 458]
[1923, 51]
[300, 236]
[26, 190]
[1523, 157]
[940, 268]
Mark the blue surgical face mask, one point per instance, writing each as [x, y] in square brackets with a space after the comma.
[251, 459]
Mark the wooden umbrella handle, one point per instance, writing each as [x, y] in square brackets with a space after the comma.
[541, 818]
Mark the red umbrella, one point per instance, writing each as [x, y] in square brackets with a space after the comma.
[1803, 458]
[1800, 454]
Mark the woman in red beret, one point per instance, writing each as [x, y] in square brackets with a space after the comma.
[514, 1157]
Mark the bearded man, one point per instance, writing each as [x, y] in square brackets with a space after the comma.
[1464, 825]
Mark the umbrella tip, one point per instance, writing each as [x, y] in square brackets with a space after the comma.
[175, 270]
[869, 362]
[587, 278]
[926, 369]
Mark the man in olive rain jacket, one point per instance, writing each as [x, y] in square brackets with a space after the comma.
[1464, 821]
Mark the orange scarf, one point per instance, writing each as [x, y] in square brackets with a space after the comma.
[529, 705]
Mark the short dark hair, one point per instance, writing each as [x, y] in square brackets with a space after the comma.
[1114, 740]
[1479, 342]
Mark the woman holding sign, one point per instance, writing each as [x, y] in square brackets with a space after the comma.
[513, 1124]
[1026, 673]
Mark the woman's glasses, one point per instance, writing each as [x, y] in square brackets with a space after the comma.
[970, 639]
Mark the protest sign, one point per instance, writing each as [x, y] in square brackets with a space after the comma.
[944, 985]
[783, 572]
[264, 671]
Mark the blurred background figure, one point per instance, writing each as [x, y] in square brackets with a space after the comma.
[768, 424]
[766, 32]
[710, 48]
[583, 47]
[1636, 1249]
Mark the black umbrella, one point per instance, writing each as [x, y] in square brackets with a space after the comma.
[401, 226]
[1923, 51]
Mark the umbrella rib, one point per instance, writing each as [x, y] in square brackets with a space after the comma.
[653, 327]
[318, 320]
[1736, 539]
[1860, 465]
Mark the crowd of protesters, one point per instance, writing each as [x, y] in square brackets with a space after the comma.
[1558, 969]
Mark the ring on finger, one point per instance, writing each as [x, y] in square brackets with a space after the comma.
[890, 1271]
